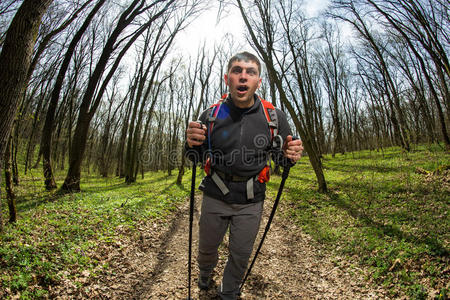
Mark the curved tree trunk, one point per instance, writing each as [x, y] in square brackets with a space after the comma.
[72, 181]
[46, 140]
[15, 60]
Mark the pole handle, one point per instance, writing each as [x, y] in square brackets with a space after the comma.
[286, 162]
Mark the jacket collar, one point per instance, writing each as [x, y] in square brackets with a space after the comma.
[251, 109]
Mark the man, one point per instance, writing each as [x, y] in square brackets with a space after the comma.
[238, 143]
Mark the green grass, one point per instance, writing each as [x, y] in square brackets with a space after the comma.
[55, 234]
[383, 214]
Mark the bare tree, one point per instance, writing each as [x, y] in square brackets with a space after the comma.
[262, 35]
[175, 119]
[189, 94]
[47, 38]
[120, 169]
[93, 94]
[357, 21]
[418, 91]
[40, 101]
[416, 21]
[15, 60]
[196, 92]
[162, 42]
[46, 138]
[143, 148]
[333, 72]
[7, 9]
[109, 125]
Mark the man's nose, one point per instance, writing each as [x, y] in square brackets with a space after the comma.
[243, 76]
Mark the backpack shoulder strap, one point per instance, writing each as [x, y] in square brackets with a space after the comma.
[214, 111]
[212, 115]
[271, 116]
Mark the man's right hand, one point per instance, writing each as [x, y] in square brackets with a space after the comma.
[195, 134]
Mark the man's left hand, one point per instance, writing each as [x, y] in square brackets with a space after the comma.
[293, 148]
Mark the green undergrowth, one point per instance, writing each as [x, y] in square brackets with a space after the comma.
[387, 211]
[54, 232]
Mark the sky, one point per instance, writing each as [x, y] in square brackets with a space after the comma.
[206, 29]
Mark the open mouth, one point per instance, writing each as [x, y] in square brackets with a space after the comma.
[242, 88]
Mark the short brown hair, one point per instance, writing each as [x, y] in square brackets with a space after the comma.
[245, 56]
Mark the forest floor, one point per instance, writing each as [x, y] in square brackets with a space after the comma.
[153, 265]
[382, 231]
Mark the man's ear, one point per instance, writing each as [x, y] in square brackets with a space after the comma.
[225, 78]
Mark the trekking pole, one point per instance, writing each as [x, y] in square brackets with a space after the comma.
[287, 166]
[191, 219]
[194, 157]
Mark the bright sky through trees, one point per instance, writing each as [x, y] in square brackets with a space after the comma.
[206, 28]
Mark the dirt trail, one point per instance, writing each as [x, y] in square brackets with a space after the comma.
[153, 265]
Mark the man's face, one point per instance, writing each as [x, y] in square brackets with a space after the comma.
[243, 80]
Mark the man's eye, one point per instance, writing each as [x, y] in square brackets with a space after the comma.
[236, 70]
[251, 72]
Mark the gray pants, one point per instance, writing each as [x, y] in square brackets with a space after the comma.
[243, 221]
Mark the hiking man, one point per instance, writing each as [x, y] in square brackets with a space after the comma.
[236, 136]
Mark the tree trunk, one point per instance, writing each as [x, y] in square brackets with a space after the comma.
[15, 169]
[132, 133]
[104, 140]
[120, 170]
[8, 183]
[15, 60]
[31, 140]
[72, 181]
[397, 113]
[46, 140]
[1, 209]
